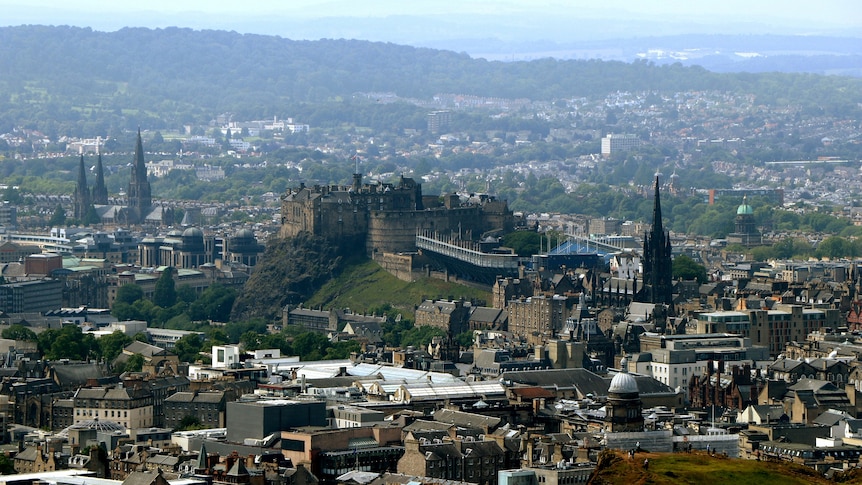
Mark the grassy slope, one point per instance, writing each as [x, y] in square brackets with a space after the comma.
[365, 285]
[698, 468]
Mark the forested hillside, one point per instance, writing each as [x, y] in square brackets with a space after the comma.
[76, 80]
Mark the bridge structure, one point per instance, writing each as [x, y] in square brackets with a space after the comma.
[578, 243]
[466, 258]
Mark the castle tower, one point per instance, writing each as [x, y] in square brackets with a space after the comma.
[100, 191]
[82, 193]
[140, 197]
[657, 260]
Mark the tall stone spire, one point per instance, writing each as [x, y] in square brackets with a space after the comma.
[140, 197]
[82, 193]
[657, 227]
[657, 264]
[100, 191]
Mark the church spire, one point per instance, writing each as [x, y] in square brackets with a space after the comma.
[100, 191]
[657, 227]
[82, 192]
[658, 262]
[140, 197]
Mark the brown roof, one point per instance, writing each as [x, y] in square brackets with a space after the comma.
[532, 392]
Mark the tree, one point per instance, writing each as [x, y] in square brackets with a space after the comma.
[91, 217]
[110, 346]
[186, 293]
[188, 347]
[465, 339]
[214, 304]
[524, 243]
[58, 219]
[189, 422]
[67, 343]
[19, 332]
[165, 293]
[686, 268]
[7, 467]
[134, 364]
[129, 293]
[310, 346]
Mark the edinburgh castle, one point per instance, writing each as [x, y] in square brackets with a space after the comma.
[386, 217]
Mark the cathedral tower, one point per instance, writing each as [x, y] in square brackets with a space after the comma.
[140, 198]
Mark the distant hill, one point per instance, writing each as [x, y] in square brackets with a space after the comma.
[97, 82]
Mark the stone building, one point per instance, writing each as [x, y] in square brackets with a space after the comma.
[34, 459]
[184, 249]
[387, 217]
[507, 289]
[243, 248]
[133, 408]
[462, 458]
[208, 407]
[624, 406]
[539, 318]
[450, 316]
[746, 232]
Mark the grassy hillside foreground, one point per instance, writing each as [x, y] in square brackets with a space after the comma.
[366, 285]
[700, 468]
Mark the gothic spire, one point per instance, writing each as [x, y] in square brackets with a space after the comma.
[656, 211]
[140, 196]
[140, 166]
[100, 191]
[82, 192]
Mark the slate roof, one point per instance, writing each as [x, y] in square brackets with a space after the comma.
[584, 381]
[467, 420]
[144, 478]
[488, 315]
[145, 349]
[831, 417]
[76, 374]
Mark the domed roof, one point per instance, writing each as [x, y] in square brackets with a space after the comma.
[623, 382]
[744, 209]
[193, 232]
[244, 234]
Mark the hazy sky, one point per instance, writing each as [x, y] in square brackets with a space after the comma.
[505, 20]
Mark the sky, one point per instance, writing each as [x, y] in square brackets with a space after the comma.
[113, 14]
[448, 23]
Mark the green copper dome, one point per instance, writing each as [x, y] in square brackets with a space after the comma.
[744, 209]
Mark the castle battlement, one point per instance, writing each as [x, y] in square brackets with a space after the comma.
[387, 217]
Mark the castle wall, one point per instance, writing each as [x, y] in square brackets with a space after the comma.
[398, 265]
[386, 217]
[298, 216]
[395, 231]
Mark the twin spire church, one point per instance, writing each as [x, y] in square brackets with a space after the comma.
[139, 205]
